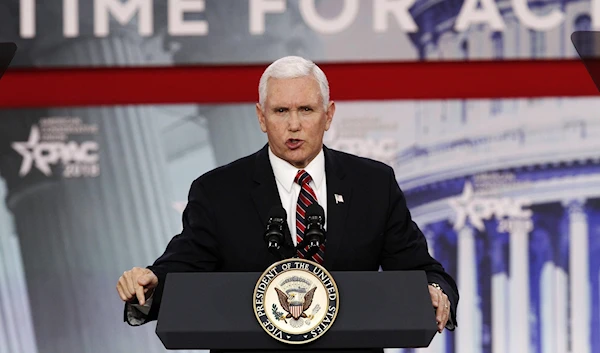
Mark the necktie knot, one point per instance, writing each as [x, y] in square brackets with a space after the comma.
[302, 177]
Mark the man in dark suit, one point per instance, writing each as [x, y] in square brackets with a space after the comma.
[368, 224]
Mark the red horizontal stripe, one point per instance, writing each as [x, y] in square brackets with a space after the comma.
[350, 81]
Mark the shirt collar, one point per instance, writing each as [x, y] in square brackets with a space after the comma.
[285, 172]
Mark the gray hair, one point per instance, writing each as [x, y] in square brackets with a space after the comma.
[292, 67]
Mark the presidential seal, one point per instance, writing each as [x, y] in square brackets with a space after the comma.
[296, 301]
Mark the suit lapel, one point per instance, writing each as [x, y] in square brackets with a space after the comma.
[337, 208]
[264, 194]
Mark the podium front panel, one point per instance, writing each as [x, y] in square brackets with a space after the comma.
[376, 309]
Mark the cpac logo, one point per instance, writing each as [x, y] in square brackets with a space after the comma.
[45, 154]
[477, 209]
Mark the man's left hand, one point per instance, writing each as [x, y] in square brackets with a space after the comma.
[442, 304]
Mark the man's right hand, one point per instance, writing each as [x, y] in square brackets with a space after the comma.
[138, 282]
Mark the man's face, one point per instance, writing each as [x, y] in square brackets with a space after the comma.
[294, 119]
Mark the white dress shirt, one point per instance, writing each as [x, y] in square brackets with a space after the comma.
[285, 173]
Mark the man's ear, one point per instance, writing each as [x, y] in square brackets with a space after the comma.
[261, 117]
[329, 113]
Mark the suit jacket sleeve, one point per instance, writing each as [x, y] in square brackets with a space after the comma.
[405, 248]
[195, 249]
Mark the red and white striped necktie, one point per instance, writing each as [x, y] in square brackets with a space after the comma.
[306, 198]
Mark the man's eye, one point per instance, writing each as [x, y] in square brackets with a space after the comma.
[281, 110]
[306, 109]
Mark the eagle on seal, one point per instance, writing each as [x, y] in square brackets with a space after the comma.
[294, 306]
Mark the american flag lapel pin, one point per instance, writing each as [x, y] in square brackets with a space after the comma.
[338, 198]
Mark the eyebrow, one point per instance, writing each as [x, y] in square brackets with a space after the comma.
[276, 107]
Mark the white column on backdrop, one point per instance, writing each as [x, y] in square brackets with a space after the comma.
[468, 338]
[18, 334]
[560, 318]
[519, 286]
[579, 282]
[499, 312]
[16, 326]
[554, 309]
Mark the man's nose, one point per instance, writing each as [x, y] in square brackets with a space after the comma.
[294, 121]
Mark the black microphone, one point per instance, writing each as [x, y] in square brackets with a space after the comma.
[276, 227]
[314, 236]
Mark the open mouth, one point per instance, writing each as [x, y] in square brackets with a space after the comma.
[294, 143]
